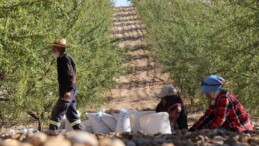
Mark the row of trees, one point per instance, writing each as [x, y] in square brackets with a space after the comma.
[27, 66]
[193, 39]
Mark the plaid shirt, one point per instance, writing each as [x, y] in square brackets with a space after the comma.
[226, 113]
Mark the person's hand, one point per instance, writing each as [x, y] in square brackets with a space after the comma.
[67, 96]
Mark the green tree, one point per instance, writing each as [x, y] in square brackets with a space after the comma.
[193, 39]
[27, 65]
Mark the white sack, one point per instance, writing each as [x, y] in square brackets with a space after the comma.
[109, 121]
[155, 123]
[116, 116]
[123, 124]
[97, 124]
[86, 124]
[134, 119]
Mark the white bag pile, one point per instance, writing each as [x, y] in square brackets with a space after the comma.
[125, 121]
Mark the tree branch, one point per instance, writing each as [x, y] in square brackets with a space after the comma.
[33, 115]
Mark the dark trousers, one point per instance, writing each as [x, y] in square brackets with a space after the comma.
[67, 108]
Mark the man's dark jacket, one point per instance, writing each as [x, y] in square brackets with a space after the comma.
[66, 74]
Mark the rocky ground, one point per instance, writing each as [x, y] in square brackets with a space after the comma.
[180, 138]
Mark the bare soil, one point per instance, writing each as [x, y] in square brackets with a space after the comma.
[137, 89]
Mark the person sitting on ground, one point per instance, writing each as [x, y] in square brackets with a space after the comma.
[225, 111]
[170, 101]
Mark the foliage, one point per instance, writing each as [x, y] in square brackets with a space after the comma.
[27, 65]
[193, 39]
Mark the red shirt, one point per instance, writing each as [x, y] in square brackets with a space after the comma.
[226, 113]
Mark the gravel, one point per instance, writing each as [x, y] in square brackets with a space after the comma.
[180, 138]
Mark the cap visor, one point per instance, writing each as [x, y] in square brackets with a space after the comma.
[209, 89]
[160, 95]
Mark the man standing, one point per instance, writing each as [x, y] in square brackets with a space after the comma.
[66, 104]
[225, 111]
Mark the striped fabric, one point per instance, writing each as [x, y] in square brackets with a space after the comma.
[54, 123]
[226, 113]
[75, 122]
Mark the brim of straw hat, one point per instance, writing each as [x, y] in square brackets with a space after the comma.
[58, 45]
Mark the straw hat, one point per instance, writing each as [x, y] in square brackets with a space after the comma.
[61, 42]
[167, 90]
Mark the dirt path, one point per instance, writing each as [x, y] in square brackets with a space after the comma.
[137, 89]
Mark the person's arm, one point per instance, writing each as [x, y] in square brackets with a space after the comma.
[182, 121]
[159, 107]
[202, 121]
[220, 114]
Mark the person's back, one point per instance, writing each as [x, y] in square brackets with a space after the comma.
[66, 74]
[237, 119]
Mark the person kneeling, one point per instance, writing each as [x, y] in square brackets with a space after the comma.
[174, 112]
[225, 111]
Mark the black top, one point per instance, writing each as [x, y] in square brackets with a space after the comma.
[170, 100]
[160, 108]
[66, 73]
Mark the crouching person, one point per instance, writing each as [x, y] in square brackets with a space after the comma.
[177, 115]
[172, 103]
[166, 92]
[225, 111]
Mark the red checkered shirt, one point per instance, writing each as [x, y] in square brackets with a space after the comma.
[226, 113]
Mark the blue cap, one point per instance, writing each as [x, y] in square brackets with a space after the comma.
[212, 83]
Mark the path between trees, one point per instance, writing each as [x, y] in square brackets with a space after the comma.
[137, 89]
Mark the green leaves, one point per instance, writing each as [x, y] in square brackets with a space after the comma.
[193, 39]
[27, 65]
